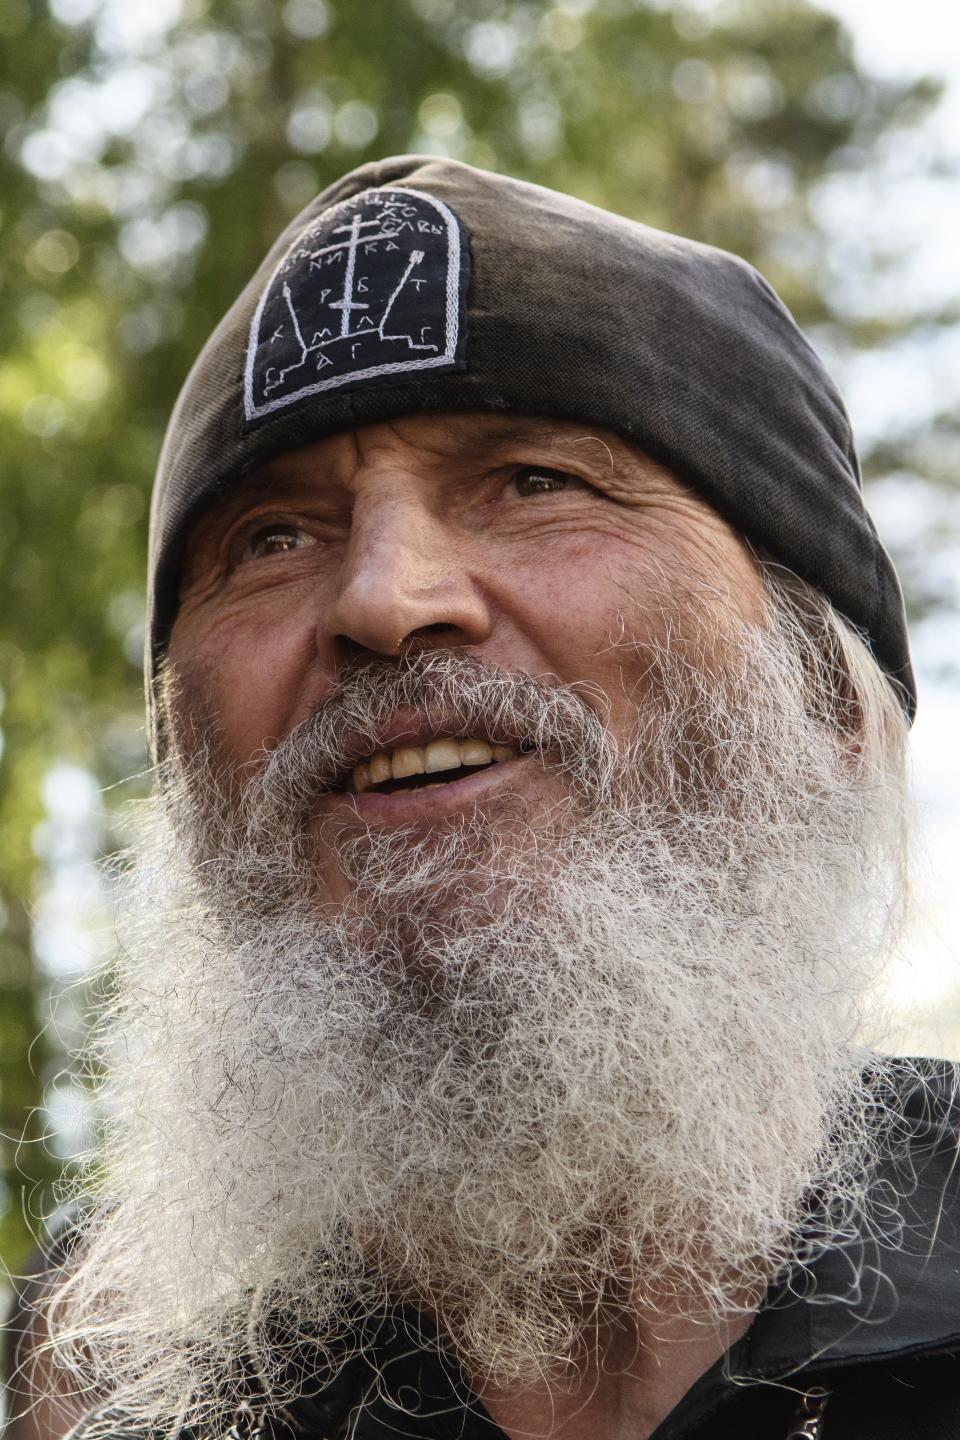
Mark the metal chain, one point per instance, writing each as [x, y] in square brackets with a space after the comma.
[807, 1423]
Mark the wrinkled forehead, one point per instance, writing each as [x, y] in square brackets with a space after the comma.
[450, 436]
[431, 442]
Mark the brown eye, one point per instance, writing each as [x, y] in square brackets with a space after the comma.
[532, 480]
[276, 540]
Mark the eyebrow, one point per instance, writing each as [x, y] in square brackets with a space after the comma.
[455, 431]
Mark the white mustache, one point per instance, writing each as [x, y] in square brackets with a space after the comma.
[459, 695]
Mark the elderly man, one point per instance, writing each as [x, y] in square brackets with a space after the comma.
[530, 692]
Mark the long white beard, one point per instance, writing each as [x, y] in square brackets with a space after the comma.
[523, 1078]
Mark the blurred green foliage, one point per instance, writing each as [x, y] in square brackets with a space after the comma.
[153, 153]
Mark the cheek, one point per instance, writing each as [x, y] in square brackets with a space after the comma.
[583, 606]
[596, 608]
[251, 674]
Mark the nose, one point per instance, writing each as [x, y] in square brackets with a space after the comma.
[404, 577]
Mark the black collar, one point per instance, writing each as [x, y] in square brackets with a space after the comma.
[895, 1288]
[892, 1290]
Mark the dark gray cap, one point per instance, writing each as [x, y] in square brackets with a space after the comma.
[421, 284]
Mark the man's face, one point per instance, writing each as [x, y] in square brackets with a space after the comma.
[539, 547]
[571, 1027]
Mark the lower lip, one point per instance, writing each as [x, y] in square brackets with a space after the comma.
[403, 806]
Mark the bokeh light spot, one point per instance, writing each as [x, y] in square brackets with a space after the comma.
[307, 19]
[356, 124]
[441, 115]
[54, 253]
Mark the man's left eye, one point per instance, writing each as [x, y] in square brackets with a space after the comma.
[276, 540]
[535, 480]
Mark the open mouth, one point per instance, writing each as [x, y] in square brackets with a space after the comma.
[420, 767]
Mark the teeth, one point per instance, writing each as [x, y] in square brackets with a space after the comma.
[475, 752]
[379, 767]
[408, 760]
[439, 755]
[442, 755]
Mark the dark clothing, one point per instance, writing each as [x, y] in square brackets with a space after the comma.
[865, 1344]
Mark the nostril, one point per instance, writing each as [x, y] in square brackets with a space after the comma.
[423, 637]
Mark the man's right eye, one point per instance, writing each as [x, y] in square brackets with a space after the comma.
[276, 540]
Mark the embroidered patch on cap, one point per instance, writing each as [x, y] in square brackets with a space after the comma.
[374, 288]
